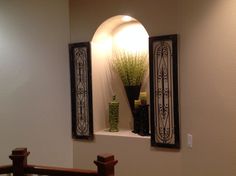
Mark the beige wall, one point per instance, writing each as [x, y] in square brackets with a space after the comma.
[135, 156]
[34, 77]
[35, 98]
[207, 69]
[157, 16]
[207, 86]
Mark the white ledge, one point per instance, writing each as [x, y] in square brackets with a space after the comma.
[120, 133]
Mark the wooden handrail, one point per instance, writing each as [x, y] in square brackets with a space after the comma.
[105, 166]
[59, 171]
[7, 169]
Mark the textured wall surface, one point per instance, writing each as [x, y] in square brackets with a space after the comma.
[207, 47]
[34, 77]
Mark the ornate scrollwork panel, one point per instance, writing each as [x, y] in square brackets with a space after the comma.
[164, 91]
[81, 90]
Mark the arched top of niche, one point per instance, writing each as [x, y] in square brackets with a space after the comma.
[113, 23]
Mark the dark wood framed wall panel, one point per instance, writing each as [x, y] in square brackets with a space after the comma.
[81, 90]
[164, 91]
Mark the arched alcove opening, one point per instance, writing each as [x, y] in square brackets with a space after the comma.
[116, 33]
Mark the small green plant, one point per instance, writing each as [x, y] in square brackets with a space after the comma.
[131, 67]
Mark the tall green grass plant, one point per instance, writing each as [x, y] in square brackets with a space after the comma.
[130, 66]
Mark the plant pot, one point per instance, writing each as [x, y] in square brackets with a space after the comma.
[132, 93]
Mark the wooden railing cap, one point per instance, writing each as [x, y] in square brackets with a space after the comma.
[19, 152]
[105, 157]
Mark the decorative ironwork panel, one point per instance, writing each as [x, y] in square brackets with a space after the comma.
[164, 91]
[81, 90]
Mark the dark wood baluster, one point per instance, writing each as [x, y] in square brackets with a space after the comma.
[105, 165]
[19, 160]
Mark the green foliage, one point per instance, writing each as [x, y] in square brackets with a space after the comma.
[131, 67]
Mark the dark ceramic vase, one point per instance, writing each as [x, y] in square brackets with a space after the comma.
[132, 93]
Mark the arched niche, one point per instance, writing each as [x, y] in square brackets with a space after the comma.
[118, 31]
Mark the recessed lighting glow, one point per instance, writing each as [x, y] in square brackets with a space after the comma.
[126, 18]
[131, 38]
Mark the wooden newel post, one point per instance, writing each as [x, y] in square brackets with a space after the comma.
[19, 160]
[106, 165]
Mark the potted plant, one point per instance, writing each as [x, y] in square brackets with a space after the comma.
[131, 68]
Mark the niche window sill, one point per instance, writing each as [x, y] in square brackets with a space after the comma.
[120, 133]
